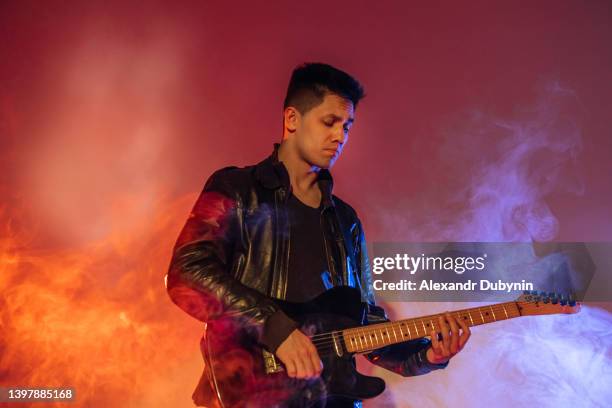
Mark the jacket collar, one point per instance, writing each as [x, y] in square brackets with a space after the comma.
[273, 174]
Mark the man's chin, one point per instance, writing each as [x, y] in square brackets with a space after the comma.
[325, 164]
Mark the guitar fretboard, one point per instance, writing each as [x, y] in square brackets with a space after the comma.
[367, 338]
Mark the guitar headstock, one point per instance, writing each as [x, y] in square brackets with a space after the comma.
[533, 303]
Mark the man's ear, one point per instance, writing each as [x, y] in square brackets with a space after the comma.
[291, 119]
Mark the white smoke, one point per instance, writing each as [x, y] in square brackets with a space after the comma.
[509, 166]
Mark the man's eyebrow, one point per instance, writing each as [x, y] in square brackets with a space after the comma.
[336, 117]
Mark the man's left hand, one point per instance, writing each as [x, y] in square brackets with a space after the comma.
[452, 340]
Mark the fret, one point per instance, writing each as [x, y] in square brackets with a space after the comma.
[416, 329]
[386, 331]
[492, 312]
[516, 309]
[394, 334]
[504, 307]
[360, 342]
[347, 339]
[424, 329]
[365, 338]
[409, 334]
[481, 316]
[352, 342]
[461, 316]
[401, 332]
[471, 320]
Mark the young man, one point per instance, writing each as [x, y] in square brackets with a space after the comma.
[274, 230]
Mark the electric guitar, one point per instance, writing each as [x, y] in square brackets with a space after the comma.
[242, 374]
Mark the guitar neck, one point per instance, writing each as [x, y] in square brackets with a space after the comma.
[367, 338]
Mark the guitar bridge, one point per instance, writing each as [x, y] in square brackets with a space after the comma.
[271, 365]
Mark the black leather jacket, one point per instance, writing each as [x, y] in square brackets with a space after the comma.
[232, 255]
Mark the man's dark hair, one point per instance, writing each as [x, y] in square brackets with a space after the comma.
[310, 82]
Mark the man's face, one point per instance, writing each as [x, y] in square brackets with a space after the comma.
[323, 131]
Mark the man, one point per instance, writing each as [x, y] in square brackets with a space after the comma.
[275, 230]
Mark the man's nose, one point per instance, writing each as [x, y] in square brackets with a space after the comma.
[340, 136]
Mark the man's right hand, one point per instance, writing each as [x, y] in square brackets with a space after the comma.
[299, 356]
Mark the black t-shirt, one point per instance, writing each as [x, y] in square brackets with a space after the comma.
[307, 268]
[307, 260]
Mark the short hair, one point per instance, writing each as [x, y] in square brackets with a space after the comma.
[310, 82]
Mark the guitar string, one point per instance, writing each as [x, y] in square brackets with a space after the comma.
[500, 308]
[404, 322]
[326, 348]
[327, 338]
[486, 309]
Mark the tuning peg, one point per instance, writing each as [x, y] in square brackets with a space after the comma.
[552, 294]
[546, 299]
[555, 300]
[562, 300]
[572, 300]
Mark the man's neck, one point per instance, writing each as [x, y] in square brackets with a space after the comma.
[302, 175]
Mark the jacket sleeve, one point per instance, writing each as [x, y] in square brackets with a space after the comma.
[200, 280]
[406, 359]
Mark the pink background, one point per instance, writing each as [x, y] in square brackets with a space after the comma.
[482, 121]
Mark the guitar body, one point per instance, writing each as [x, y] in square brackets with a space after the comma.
[242, 377]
